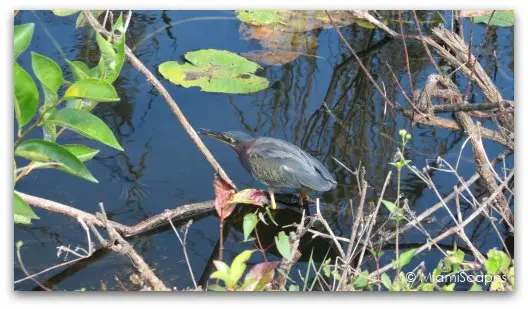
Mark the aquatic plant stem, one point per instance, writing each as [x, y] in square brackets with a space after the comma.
[136, 63]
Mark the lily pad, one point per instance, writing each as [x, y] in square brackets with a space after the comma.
[259, 17]
[500, 18]
[215, 71]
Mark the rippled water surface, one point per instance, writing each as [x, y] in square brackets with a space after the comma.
[161, 167]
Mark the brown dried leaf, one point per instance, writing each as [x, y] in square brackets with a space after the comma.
[260, 276]
[223, 193]
[271, 57]
[250, 196]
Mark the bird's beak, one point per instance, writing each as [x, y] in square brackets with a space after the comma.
[217, 135]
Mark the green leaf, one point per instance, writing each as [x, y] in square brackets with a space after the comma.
[80, 70]
[222, 271]
[386, 281]
[64, 12]
[283, 245]
[449, 287]
[85, 124]
[361, 281]
[390, 206]
[216, 288]
[111, 62]
[44, 151]
[476, 288]
[47, 71]
[92, 89]
[215, 71]
[26, 96]
[428, 287]
[22, 37]
[406, 257]
[239, 266]
[497, 261]
[249, 224]
[83, 153]
[501, 18]
[23, 213]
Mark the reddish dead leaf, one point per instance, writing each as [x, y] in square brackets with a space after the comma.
[271, 57]
[250, 196]
[223, 192]
[260, 276]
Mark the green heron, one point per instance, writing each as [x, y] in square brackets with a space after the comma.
[276, 163]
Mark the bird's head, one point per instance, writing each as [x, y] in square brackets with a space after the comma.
[232, 138]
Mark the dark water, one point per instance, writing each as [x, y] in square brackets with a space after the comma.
[161, 168]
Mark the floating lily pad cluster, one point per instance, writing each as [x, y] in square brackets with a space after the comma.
[215, 71]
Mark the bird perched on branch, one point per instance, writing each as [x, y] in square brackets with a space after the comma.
[277, 163]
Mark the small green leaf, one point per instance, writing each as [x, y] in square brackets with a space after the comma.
[80, 70]
[23, 213]
[406, 257]
[19, 244]
[92, 89]
[22, 37]
[215, 71]
[428, 287]
[501, 18]
[249, 224]
[44, 151]
[26, 96]
[497, 261]
[83, 153]
[390, 206]
[361, 281]
[216, 288]
[386, 281]
[85, 124]
[282, 242]
[239, 265]
[449, 287]
[64, 12]
[47, 71]
[476, 288]
[110, 63]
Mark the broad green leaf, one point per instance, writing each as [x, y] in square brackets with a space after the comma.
[64, 12]
[85, 124]
[361, 280]
[92, 89]
[501, 18]
[26, 96]
[222, 271]
[406, 257]
[83, 153]
[44, 151]
[80, 70]
[282, 242]
[497, 261]
[386, 281]
[23, 213]
[249, 224]
[215, 71]
[22, 37]
[259, 276]
[239, 265]
[47, 71]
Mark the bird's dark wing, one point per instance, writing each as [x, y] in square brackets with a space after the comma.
[283, 165]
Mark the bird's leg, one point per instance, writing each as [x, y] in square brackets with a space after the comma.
[272, 197]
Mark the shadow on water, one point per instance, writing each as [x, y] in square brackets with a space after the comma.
[324, 104]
